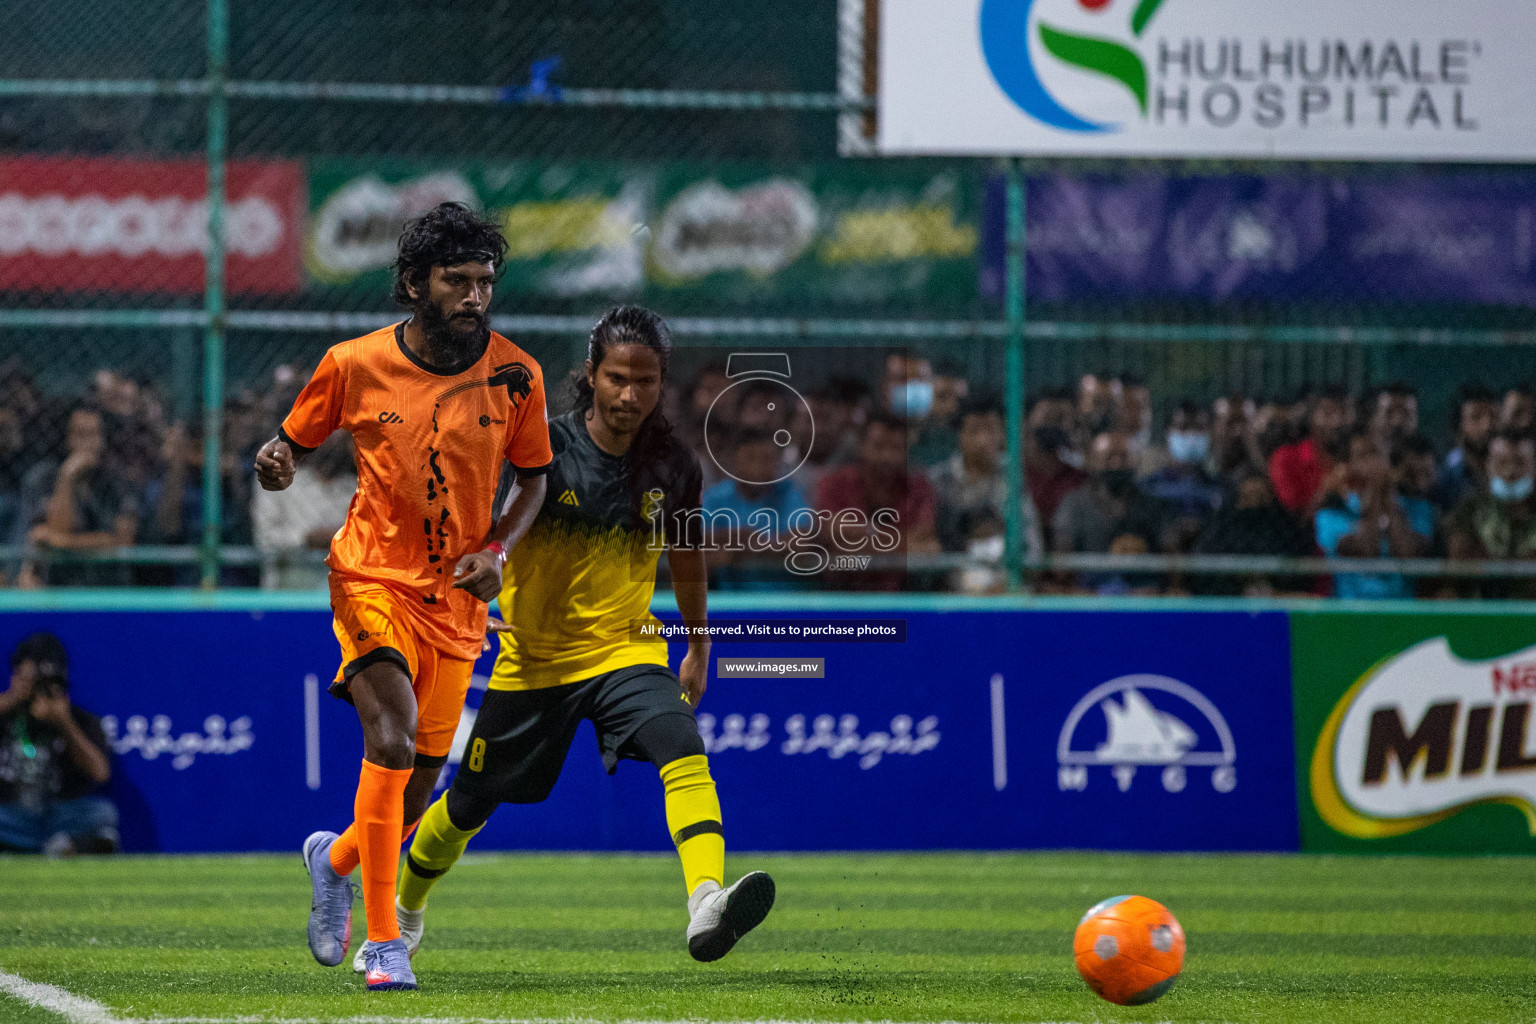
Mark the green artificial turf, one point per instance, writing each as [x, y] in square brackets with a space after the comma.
[941, 937]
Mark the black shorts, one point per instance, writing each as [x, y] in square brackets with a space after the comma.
[520, 738]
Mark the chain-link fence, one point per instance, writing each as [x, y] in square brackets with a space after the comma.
[1209, 332]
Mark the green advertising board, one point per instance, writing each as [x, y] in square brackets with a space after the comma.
[1414, 731]
[683, 236]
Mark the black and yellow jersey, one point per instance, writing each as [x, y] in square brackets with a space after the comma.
[585, 572]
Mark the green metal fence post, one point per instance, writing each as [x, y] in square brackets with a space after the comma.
[213, 292]
[1014, 412]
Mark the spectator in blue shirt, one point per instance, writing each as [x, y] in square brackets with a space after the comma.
[749, 511]
[1364, 516]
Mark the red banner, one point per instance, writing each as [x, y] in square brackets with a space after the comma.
[110, 224]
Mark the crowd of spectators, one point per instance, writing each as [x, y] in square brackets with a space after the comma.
[1325, 474]
[113, 468]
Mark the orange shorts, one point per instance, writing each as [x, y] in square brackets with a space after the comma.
[372, 626]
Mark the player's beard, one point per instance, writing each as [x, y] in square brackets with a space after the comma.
[448, 344]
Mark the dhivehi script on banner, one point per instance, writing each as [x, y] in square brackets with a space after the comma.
[1304, 79]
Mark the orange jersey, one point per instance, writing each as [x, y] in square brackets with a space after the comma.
[429, 451]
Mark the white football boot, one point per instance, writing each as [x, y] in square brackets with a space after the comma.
[718, 917]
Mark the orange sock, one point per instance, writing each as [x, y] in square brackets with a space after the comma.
[380, 816]
[344, 856]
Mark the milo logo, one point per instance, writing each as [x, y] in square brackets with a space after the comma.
[1424, 734]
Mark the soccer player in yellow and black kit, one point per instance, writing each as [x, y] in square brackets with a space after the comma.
[573, 591]
[435, 406]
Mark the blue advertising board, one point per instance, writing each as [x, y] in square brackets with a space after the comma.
[983, 730]
[1399, 237]
[216, 746]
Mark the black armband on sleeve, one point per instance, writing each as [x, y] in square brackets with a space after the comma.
[298, 449]
[535, 471]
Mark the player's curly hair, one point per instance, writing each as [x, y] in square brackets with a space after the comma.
[632, 325]
[444, 236]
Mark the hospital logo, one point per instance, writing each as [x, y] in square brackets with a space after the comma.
[1093, 36]
[1145, 724]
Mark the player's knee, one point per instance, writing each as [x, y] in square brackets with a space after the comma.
[667, 738]
[467, 813]
[391, 748]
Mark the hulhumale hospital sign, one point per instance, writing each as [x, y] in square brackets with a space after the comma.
[1302, 79]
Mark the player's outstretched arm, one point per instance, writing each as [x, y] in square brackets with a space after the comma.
[690, 585]
[480, 573]
[275, 463]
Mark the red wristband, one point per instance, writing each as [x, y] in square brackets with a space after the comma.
[495, 548]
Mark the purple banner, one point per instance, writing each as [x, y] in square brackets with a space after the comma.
[1463, 238]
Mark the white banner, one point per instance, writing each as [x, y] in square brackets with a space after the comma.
[1286, 79]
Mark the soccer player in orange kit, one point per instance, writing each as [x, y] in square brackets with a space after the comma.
[434, 405]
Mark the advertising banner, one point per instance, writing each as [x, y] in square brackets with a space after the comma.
[1160, 731]
[829, 234]
[117, 224]
[223, 735]
[980, 730]
[1413, 732]
[1357, 238]
[1310, 79]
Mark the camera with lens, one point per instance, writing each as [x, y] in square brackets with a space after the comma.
[50, 680]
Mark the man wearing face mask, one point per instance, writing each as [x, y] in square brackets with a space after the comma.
[1183, 484]
[1110, 506]
[1051, 468]
[909, 396]
[1499, 522]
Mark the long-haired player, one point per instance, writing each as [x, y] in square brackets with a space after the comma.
[576, 597]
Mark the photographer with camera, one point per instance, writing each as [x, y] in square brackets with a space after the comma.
[53, 758]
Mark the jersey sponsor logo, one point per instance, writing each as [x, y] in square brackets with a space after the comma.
[1424, 734]
[1145, 721]
[486, 421]
[569, 498]
[389, 417]
[363, 635]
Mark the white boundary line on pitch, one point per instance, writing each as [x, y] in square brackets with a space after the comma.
[73, 1008]
[80, 1010]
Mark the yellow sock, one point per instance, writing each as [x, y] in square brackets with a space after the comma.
[693, 818]
[438, 845]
